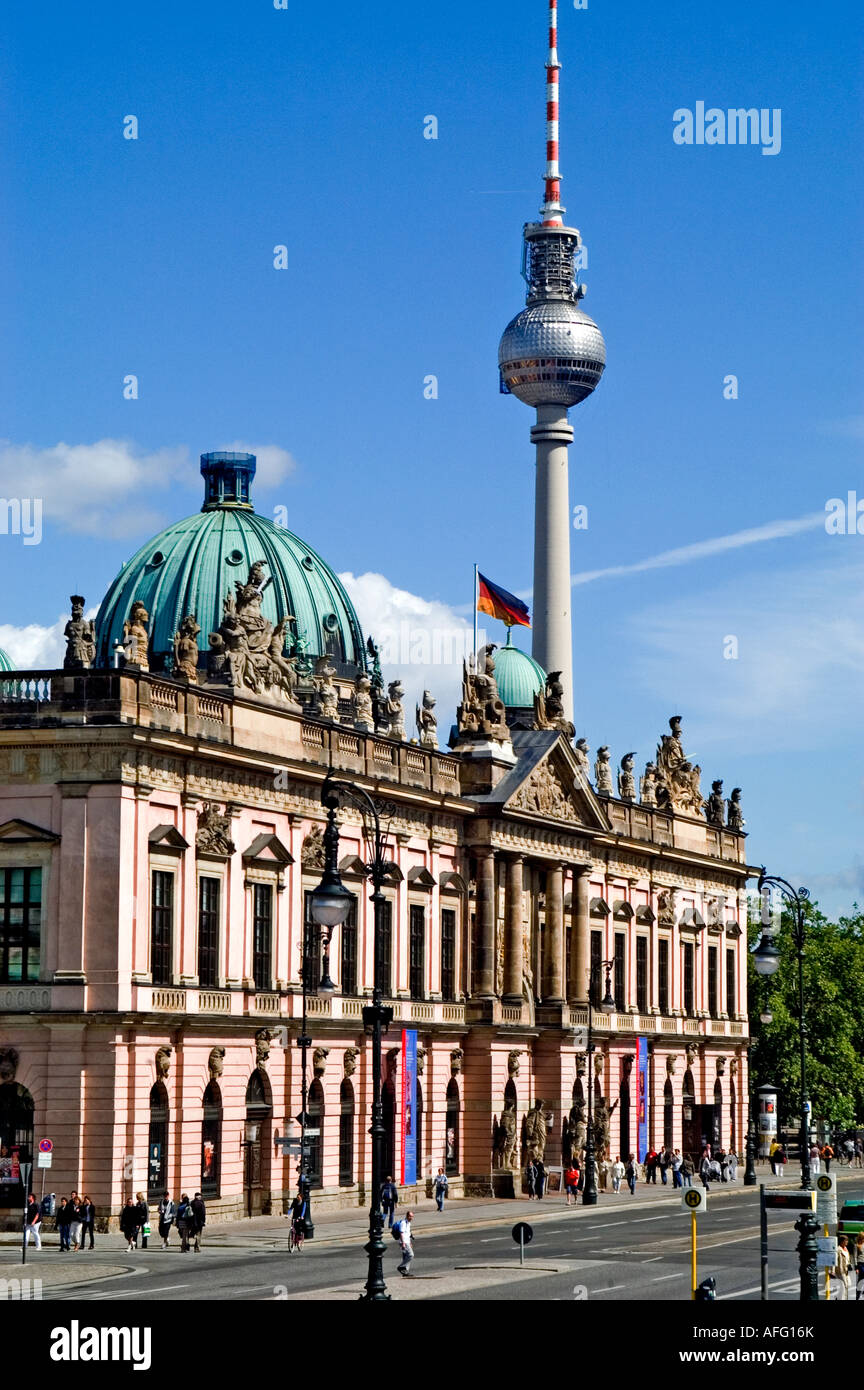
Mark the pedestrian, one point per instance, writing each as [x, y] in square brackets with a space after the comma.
[859, 1153]
[184, 1221]
[87, 1212]
[618, 1171]
[732, 1160]
[772, 1156]
[129, 1223]
[403, 1228]
[723, 1163]
[440, 1188]
[166, 1213]
[63, 1218]
[33, 1221]
[827, 1154]
[675, 1164]
[705, 1171]
[631, 1172]
[859, 1266]
[841, 1269]
[849, 1150]
[389, 1200]
[199, 1219]
[651, 1159]
[688, 1171]
[571, 1183]
[815, 1155]
[75, 1221]
[143, 1219]
[664, 1163]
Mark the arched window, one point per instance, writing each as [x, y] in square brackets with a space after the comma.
[211, 1142]
[691, 1140]
[668, 1115]
[625, 1146]
[157, 1142]
[16, 1140]
[451, 1121]
[578, 1090]
[346, 1134]
[733, 1118]
[717, 1128]
[257, 1145]
[315, 1143]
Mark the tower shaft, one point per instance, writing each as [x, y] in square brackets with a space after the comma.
[552, 642]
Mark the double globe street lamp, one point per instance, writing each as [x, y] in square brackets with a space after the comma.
[331, 903]
[766, 959]
[607, 1006]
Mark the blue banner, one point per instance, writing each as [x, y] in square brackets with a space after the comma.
[409, 1106]
[642, 1109]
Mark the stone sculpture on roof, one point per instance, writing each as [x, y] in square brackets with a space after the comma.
[136, 636]
[427, 723]
[626, 780]
[481, 712]
[247, 651]
[603, 772]
[677, 778]
[735, 819]
[186, 649]
[549, 706]
[80, 638]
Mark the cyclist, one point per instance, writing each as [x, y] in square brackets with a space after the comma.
[298, 1211]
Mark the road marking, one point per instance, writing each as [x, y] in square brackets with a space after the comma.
[139, 1293]
[598, 1225]
[640, 1220]
[679, 1274]
[611, 1289]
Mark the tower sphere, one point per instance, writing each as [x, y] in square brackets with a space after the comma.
[551, 353]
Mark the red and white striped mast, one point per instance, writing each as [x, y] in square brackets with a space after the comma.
[552, 211]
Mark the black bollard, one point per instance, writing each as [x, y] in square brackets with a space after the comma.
[808, 1226]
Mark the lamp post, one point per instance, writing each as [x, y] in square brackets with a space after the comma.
[607, 1005]
[766, 959]
[750, 1179]
[331, 903]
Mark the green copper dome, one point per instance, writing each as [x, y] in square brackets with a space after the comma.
[192, 566]
[5, 663]
[519, 676]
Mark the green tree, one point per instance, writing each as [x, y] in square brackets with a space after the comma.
[833, 1014]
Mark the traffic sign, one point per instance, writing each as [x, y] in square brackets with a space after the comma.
[789, 1199]
[694, 1200]
[826, 1198]
[522, 1233]
[46, 1146]
[43, 1159]
[826, 1247]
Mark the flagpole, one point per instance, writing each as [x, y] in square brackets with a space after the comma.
[476, 601]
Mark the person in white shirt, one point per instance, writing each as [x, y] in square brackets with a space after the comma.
[618, 1171]
[404, 1266]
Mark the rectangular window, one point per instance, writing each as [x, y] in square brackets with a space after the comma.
[620, 990]
[348, 973]
[688, 978]
[448, 953]
[161, 927]
[663, 974]
[208, 932]
[417, 951]
[731, 1002]
[20, 924]
[596, 972]
[384, 947]
[712, 981]
[642, 974]
[262, 935]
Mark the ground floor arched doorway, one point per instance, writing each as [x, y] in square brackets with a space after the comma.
[257, 1145]
[16, 1140]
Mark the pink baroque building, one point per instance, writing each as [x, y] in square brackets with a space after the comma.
[160, 834]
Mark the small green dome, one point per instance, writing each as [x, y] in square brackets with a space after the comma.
[192, 566]
[5, 663]
[519, 676]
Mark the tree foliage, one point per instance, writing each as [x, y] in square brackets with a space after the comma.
[833, 1014]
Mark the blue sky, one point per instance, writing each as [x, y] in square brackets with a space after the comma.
[304, 127]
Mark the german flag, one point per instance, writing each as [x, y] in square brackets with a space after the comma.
[495, 601]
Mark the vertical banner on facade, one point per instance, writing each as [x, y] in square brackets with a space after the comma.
[642, 1111]
[409, 1106]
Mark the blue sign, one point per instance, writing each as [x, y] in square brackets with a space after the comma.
[642, 1102]
[409, 1106]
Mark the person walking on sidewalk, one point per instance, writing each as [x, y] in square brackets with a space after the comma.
[540, 1177]
[663, 1163]
[859, 1153]
[440, 1189]
[827, 1154]
[688, 1171]
[841, 1269]
[859, 1266]
[618, 1171]
[389, 1200]
[571, 1183]
[630, 1173]
[87, 1212]
[143, 1219]
[405, 1244]
[129, 1222]
[651, 1160]
[184, 1222]
[75, 1220]
[675, 1165]
[531, 1178]
[167, 1214]
[33, 1220]
[63, 1219]
[199, 1219]
[732, 1160]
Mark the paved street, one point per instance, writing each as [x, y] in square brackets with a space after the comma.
[625, 1248]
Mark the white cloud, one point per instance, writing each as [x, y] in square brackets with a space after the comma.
[111, 487]
[700, 550]
[34, 648]
[423, 642]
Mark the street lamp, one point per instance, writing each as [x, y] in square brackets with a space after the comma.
[766, 959]
[333, 901]
[607, 1006]
[750, 1178]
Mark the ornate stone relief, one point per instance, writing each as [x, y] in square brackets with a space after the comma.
[212, 835]
[543, 792]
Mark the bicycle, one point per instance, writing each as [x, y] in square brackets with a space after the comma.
[295, 1237]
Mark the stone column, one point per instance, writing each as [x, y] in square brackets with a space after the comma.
[580, 937]
[484, 983]
[513, 931]
[553, 937]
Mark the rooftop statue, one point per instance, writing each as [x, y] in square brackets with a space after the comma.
[327, 696]
[136, 636]
[364, 718]
[581, 753]
[549, 706]
[186, 649]
[715, 808]
[603, 772]
[648, 789]
[248, 652]
[427, 722]
[678, 779]
[626, 780]
[395, 711]
[80, 638]
[481, 712]
[735, 819]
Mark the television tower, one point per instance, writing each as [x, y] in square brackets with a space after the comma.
[551, 356]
